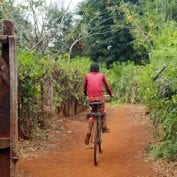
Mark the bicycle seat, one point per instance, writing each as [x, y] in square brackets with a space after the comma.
[95, 114]
[96, 103]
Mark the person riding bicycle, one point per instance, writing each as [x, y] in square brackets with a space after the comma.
[93, 89]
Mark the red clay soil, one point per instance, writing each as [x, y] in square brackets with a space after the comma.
[123, 154]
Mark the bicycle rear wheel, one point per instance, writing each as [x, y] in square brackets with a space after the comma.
[100, 135]
[100, 144]
[96, 145]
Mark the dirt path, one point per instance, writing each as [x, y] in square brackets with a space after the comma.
[123, 154]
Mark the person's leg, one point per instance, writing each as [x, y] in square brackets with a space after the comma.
[105, 127]
[87, 138]
[104, 122]
[88, 134]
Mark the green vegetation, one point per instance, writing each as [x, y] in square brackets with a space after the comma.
[108, 39]
[157, 21]
[160, 93]
[124, 79]
[48, 86]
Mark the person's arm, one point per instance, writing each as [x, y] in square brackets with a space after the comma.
[107, 86]
[85, 86]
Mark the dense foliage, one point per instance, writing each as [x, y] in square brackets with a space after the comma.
[46, 86]
[160, 93]
[125, 79]
[156, 21]
[108, 40]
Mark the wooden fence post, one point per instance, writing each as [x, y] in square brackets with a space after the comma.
[8, 102]
[13, 107]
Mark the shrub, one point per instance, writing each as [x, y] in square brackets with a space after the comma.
[124, 78]
[159, 89]
[47, 86]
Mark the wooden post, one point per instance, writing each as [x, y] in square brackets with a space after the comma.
[5, 113]
[13, 107]
[8, 103]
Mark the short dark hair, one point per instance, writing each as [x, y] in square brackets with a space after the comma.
[94, 67]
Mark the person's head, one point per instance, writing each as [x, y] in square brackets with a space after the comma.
[94, 67]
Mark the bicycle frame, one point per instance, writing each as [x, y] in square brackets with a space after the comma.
[96, 133]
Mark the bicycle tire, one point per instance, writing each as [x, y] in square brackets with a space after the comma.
[100, 136]
[96, 150]
[100, 147]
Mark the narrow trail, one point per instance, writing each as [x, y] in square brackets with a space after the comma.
[123, 154]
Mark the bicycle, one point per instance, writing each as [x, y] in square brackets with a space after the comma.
[96, 132]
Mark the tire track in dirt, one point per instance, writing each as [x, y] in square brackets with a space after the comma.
[123, 154]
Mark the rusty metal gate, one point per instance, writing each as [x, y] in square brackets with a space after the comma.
[8, 102]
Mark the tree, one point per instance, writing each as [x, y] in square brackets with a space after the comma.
[147, 19]
[39, 26]
[108, 42]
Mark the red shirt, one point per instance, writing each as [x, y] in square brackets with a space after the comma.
[93, 84]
